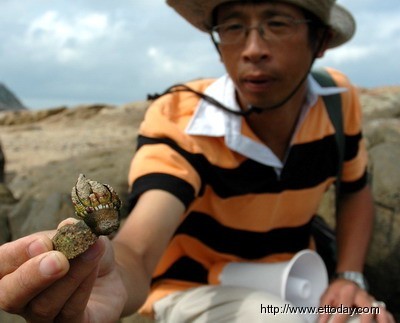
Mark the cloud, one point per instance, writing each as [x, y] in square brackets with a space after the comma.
[184, 65]
[66, 39]
[350, 54]
[370, 58]
[69, 52]
[389, 28]
[161, 61]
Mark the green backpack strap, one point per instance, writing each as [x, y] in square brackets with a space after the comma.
[324, 235]
[333, 105]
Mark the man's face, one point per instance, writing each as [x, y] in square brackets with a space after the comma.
[265, 70]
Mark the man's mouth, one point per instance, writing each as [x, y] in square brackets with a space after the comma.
[257, 83]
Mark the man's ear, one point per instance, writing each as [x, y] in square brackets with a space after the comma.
[326, 35]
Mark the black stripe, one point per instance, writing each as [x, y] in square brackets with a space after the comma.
[185, 269]
[351, 187]
[245, 244]
[198, 161]
[352, 145]
[308, 165]
[174, 185]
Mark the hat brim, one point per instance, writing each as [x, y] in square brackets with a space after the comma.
[199, 13]
[343, 26]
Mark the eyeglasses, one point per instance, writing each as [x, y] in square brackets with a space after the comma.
[276, 28]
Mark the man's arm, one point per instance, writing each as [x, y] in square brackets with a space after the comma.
[354, 228]
[142, 240]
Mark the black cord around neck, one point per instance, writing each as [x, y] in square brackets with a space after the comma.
[251, 108]
[184, 88]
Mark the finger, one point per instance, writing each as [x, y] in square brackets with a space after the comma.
[18, 288]
[67, 221]
[78, 301]
[14, 254]
[339, 318]
[326, 299]
[74, 309]
[391, 318]
[384, 316]
[346, 298]
[68, 289]
[364, 300]
[324, 318]
[107, 262]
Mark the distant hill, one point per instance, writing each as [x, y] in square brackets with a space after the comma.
[8, 101]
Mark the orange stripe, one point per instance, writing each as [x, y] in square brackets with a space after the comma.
[264, 212]
[165, 160]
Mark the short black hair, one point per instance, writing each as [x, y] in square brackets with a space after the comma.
[317, 29]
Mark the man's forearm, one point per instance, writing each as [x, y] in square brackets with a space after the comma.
[354, 228]
[135, 279]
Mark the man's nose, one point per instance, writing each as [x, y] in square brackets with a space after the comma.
[256, 47]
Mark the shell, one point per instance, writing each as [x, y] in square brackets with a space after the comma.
[74, 239]
[97, 204]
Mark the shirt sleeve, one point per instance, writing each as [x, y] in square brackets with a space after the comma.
[162, 160]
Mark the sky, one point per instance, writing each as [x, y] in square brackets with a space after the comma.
[64, 53]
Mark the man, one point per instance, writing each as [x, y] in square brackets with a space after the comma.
[231, 172]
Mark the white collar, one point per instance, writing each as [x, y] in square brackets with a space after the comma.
[209, 120]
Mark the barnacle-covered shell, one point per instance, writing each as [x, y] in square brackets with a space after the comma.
[97, 204]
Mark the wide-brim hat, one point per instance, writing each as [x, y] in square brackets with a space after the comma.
[340, 20]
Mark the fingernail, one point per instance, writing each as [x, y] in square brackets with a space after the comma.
[37, 247]
[50, 264]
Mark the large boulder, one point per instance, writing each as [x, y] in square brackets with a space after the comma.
[382, 130]
[7, 201]
[383, 262]
[2, 164]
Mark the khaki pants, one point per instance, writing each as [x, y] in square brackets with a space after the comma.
[220, 304]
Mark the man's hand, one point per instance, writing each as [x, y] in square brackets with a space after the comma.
[347, 294]
[42, 286]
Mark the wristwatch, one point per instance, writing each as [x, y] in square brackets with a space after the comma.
[354, 276]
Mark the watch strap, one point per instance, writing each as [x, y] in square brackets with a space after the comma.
[354, 276]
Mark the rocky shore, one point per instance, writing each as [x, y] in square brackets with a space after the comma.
[46, 150]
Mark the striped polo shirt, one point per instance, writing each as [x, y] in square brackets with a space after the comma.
[242, 202]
